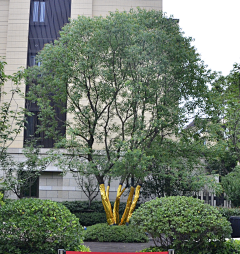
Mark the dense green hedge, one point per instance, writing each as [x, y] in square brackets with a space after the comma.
[38, 226]
[96, 206]
[228, 212]
[105, 233]
[91, 215]
[89, 219]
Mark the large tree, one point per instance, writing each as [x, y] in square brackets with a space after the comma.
[123, 78]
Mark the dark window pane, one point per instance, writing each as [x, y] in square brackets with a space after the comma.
[42, 12]
[31, 188]
[35, 11]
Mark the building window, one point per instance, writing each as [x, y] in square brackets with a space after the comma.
[31, 188]
[39, 11]
[33, 61]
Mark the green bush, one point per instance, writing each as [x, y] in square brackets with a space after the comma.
[105, 233]
[89, 219]
[228, 212]
[182, 223]
[38, 226]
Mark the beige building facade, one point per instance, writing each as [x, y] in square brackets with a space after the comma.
[17, 18]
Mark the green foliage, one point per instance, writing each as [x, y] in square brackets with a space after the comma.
[89, 219]
[105, 233]
[1, 199]
[228, 247]
[96, 206]
[123, 77]
[36, 226]
[228, 212]
[222, 110]
[20, 175]
[174, 169]
[17, 174]
[182, 223]
[90, 215]
[231, 186]
[11, 114]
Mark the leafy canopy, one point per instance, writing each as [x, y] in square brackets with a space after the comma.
[122, 78]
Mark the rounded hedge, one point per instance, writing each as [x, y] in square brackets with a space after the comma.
[38, 226]
[185, 224]
[104, 233]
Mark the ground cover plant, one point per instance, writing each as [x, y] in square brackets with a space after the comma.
[185, 224]
[38, 226]
[104, 233]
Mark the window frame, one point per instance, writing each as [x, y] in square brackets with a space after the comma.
[30, 190]
[38, 16]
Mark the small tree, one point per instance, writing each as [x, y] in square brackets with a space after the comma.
[222, 109]
[20, 176]
[88, 185]
[123, 77]
[231, 186]
[16, 175]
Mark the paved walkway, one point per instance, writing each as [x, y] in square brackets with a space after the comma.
[117, 247]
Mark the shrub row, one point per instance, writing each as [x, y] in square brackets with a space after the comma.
[92, 215]
[105, 233]
[89, 219]
[96, 206]
[228, 212]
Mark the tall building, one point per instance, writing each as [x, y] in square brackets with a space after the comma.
[25, 26]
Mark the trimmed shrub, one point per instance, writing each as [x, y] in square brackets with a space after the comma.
[105, 233]
[182, 223]
[92, 215]
[96, 206]
[228, 212]
[38, 226]
[89, 219]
